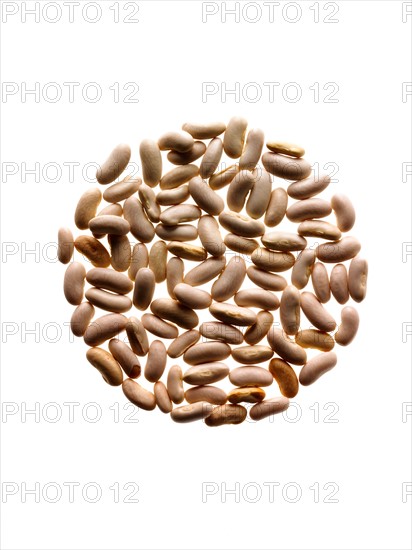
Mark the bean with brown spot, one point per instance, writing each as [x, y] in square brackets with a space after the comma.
[156, 361]
[122, 190]
[158, 260]
[269, 407]
[178, 176]
[105, 327]
[233, 315]
[159, 327]
[183, 343]
[316, 367]
[137, 336]
[87, 207]
[234, 137]
[175, 384]
[93, 250]
[320, 282]
[287, 349]
[250, 376]
[215, 330]
[138, 395]
[210, 394]
[285, 376]
[211, 158]
[246, 395]
[230, 280]
[106, 364]
[308, 187]
[191, 413]
[81, 318]
[73, 285]
[249, 355]
[349, 326]
[151, 162]
[206, 352]
[226, 414]
[192, 297]
[286, 167]
[116, 303]
[210, 236]
[65, 246]
[125, 357]
[338, 251]
[339, 283]
[271, 260]
[256, 332]
[315, 339]
[144, 288]
[316, 313]
[140, 226]
[163, 400]
[357, 278]
[171, 310]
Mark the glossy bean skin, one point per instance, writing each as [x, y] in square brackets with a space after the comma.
[317, 367]
[114, 165]
[268, 407]
[234, 137]
[285, 376]
[105, 363]
[226, 414]
[349, 326]
[344, 211]
[286, 167]
[357, 278]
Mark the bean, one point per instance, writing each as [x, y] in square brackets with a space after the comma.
[138, 395]
[316, 367]
[302, 268]
[257, 297]
[308, 209]
[111, 210]
[163, 400]
[285, 377]
[191, 413]
[179, 214]
[246, 395]
[148, 199]
[234, 138]
[144, 288]
[140, 258]
[221, 331]
[338, 251]
[174, 275]
[65, 246]
[321, 229]
[159, 327]
[93, 250]
[240, 244]
[357, 278]
[187, 251]
[170, 310]
[102, 299]
[105, 363]
[73, 285]
[206, 130]
[238, 190]
[250, 376]
[316, 313]
[290, 310]
[260, 194]
[320, 282]
[308, 187]
[178, 176]
[210, 394]
[205, 197]
[315, 339]
[125, 357]
[266, 280]
[344, 212]
[122, 190]
[211, 158]
[178, 141]
[269, 407]
[286, 167]
[109, 280]
[120, 251]
[175, 384]
[230, 280]
[210, 236]
[151, 160]
[156, 361]
[339, 283]
[81, 318]
[224, 177]
[283, 241]
[181, 232]
[206, 352]
[249, 355]
[271, 260]
[158, 260]
[193, 154]
[226, 414]
[112, 225]
[87, 207]
[183, 343]
[233, 315]
[240, 224]
[348, 327]
[104, 328]
[205, 272]
[140, 226]
[256, 332]
[277, 207]
[170, 197]
[285, 148]
[114, 165]
[253, 149]
[192, 297]
[137, 336]
[285, 347]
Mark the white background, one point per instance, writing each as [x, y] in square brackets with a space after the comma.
[169, 53]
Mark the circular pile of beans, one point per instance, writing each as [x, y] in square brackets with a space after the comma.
[200, 234]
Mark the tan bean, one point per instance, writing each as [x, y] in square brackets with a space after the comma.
[181, 232]
[163, 400]
[159, 327]
[320, 282]
[175, 384]
[191, 413]
[285, 148]
[205, 272]
[206, 130]
[240, 224]
[315, 339]
[246, 395]
[224, 177]
[233, 315]
[357, 278]
[87, 207]
[140, 227]
[349, 326]
[220, 331]
[116, 303]
[105, 327]
[93, 250]
[137, 336]
[73, 285]
[182, 343]
[144, 288]
[283, 241]
[121, 252]
[290, 310]
[238, 190]
[125, 357]
[151, 160]
[266, 280]
[277, 207]
[174, 274]
[253, 149]
[234, 137]
[170, 197]
[226, 414]
[240, 244]
[260, 194]
[140, 258]
[230, 280]
[319, 229]
[158, 260]
[250, 376]
[255, 333]
[285, 347]
[316, 367]
[302, 268]
[316, 313]
[249, 355]
[122, 190]
[178, 176]
[138, 395]
[338, 251]
[211, 158]
[193, 154]
[114, 165]
[206, 352]
[111, 210]
[344, 212]
[105, 363]
[187, 251]
[192, 297]
[286, 167]
[112, 225]
[308, 209]
[285, 377]
[156, 361]
[109, 280]
[206, 373]
[269, 407]
[308, 187]
[271, 260]
[65, 246]
[210, 236]
[81, 318]
[178, 141]
[339, 283]
[205, 197]
[148, 199]
[179, 214]
[257, 297]
[210, 394]
[171, 310]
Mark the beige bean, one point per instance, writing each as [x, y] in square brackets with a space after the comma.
[211, 158]
[357, 278]
[81, 318]
[105, 363]
[112, 225]
[105, 327]
[191, 413]
[205, 197]
[171, 310]
[120, 251]
[151, 160]
[144, 288]
[290, 310]
[205, 272]
[116, 303]
[87, 207]
[226, 414]
[238, 190]
[138, 395]
[221, 331]
[233, 315]
[93, 250]
[114, 165]
[170, 197]
[339, 283]
[159, 327]
[137, 336]
[178, 176]
[344, 212]
[338, 251]
[302, 268]
[230, 280]
[253, 149]
[163, 400]
[206, 352]
[246, 395]
[178, 141]
[285, 347]
[249, 355]
[308, 187]
[269, 407]
[187, 251]
[320, 282]
[192, 297]
[319, 229]
[308, 209]
[65, 245]
[316, 313]
[73, 285]
[240, 224]
[109, 280]
[316, 367]
[183, 343]
[174, 274]
[224, 177]
[234, 137]
[260, 194]
[158, 260]
[181, 232]
[122, 190]
[271, 260]
[283, 241]
[285, 148]
[210, 236]
[156, 361]
[206, 373]
[255, 333]
[111, 210]
[349, 326]
[207, 130]
[250, 376]
[285, 376]
[198, 149]
[148, 199]
[240, 244]
[315, 339]
[179, 214]
[175, 384]
[210, 394]
[257, 297]
[140, 227]
[125, 357]
[266, 280]
[140, 258]
[277, 207]
[286, 167]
